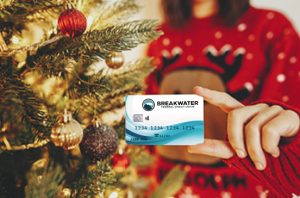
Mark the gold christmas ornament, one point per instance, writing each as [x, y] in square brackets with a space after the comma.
[67, 133]
[115, 60]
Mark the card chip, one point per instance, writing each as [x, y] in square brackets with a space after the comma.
[137, 117]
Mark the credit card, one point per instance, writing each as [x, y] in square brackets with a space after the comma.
[164, 119]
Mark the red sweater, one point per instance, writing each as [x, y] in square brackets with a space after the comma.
[258, 60]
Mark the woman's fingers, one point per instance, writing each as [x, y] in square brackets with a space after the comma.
[253, 129]
[257, 125]
[290, 123]
[264, 131]
[236, 121]
[253, 136]
[285, 124]
[219, 99]
[214, 148]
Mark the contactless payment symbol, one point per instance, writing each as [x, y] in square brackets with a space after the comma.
[148, 104]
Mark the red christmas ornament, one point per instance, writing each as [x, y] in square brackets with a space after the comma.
[72, 22]
[120, 162]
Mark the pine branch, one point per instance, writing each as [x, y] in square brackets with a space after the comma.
[114, 13]
[24, 122]
[50, 59]
[96, 181]
[171, 183]
[36, 144]
[44, 182]
[92, 98]
[11, 10]
[102, 92]
[127, 35]
[15, 15]
[130, 75]
[120, 128]
[30, 48]
[22, 115]
[6, 3]
[91, 106]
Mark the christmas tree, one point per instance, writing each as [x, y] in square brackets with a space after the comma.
[63, 75]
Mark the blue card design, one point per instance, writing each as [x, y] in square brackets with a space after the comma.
[164, 119]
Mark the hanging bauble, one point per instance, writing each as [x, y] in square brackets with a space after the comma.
[99, 141]
[67, 133]
[120, 162]
[115, 60]
[72, 22]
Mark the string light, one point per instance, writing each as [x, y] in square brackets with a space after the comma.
[113, 195]
[90, 20]
[15, 40]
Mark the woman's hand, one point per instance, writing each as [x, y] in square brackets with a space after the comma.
[252, 130]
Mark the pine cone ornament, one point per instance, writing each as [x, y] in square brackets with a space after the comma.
[99, 142]
[67, 133]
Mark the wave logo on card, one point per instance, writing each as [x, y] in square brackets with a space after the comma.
[148, 104]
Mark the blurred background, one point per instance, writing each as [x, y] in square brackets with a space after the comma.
[289, 7]
[153, 11]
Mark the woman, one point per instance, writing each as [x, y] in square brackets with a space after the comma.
[252, 54]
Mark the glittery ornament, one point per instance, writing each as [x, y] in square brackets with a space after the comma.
[99, 142]
[115, 60]
[72, 22]
[67, 133]
[120, 162]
